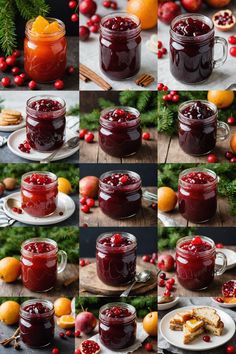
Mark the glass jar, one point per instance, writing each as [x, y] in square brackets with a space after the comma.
[45, 53]
[117, 332]
[198, 136]
[37, 323]
[120, 201]
[197, 201]
[120, 139]
[192, 57]
[195, 265]
[39, 263]
[39, 200]
[120, 51]
[116, 264]
[45, 130]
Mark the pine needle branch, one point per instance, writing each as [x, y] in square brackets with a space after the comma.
[7, 28]
[32, 8]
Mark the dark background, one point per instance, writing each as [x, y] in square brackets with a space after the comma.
[146, 239]
[225, 235]
[89, 99]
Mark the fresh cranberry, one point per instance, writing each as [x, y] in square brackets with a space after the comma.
[148, 347]
[18, 80]
[107, 4]
[23, 76]
[16, 53]
[59, 84]
[171, 281]
[82, 133]
[212, 158]
[55, 351]
[230, 349]
[85, 209]
[172, 92]
[87, 7]
[82, 263]
[77, 351]
[95, 19]
[113, 5]
[232, 51]
[159, 54]
[169, 286]
[74, 18]
[72, 4]
[89, 137]
[166, 98]
[206, 338]
[32, 85]
[146, 258]
[124, 179]
[197, 240]
[162, 283]
[160, 86]
[77, 333]
[116, 239]
[146, 136]
[6, 81]
[90, 202]
[219, 245]
[69, 333]
[162, 275]
[167, 293]
[159, 44]
[84, 33]
[175, 98]
[94, 28]
[152, 261]
[83, 200]
[232, 39]
[233, 160]
[70, 70]
[15, 70]
[3, 66]
[2, 59]
[165, 88]
[11, 60]
[164, 51]
[220, 300]
[62, 335]
[89, 23]
[231, 120]
[229, 155]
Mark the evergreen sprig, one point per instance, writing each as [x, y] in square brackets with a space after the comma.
[32, 8]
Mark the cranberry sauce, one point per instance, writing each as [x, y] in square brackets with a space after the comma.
[117, 325]
[120, 134]
[195, 262]
[198, 110]
[197, 195]
[120, 46]
[120, 194]
[191, 48]
[45, 123]
[38, 179]
[116, 258]
[37, 323]
[39, 264]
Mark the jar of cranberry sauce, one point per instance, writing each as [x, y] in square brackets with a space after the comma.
[39, 264]
[39, 193]
[198, 127]
[117, 325]
[120, 45]
[120, 133]
[195, 262]
[192, 42]
[45, 122]
[120, 194]
[116, 257]
[37, 323]
[197, 195]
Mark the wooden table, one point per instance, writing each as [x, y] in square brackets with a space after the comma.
[145, 217]
[93, 154]
[213, 290]
[170, 151]
[16, 289]
[145, 266]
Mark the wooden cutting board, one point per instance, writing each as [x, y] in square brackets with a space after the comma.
[89, 281]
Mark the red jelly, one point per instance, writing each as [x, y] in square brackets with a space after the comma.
[45, 122]
[116, 258]
[39, 264]
[192, 42]
[117, 325]
[120, 133]
[120, 194]
[197, 194]
[198, 127]
[120, 45]
[37, 323]
[195, 262]
[39, 193]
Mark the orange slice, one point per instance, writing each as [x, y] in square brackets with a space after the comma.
[53, 27]
[39, 24]
[66, 321]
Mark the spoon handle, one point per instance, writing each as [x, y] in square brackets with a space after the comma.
[127, 291]
[50, 157]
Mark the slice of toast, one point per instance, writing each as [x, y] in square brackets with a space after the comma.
[208, 315]
[182, 317]
[193, 325]
[190, 336]
[216, 331]
[175, 326]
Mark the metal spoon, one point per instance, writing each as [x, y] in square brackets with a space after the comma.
[141, 277]
[70, 144]
[13, 203]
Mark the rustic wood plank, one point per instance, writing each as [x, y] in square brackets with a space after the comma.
[163, 147]
[17, 289]
[213, 290]
[145, 217]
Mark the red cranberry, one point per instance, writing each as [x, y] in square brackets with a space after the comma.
[3, 66]
[116, 239]
[233, 160]
[70, 70]
[197, 240]
[16, 53]
[148, 347]
[23, 76]
[83, 200]
[72, 4]
[55, 351]
[171, 281]
[85, 209]
[77, 333]
[15, 70]
[113, 5]
[82, 263]
[152, 261]
[175, 98]
[11, 60]
[159, 54]
[146, 258]
[59, 84]
[159, 44]
[219, 299]
[146, 136]
[162, 283]
[18, 80]
[84, 33]
[89, 137]
[82, 133]
[90, 202]
[169, 286]
[162, 275]
[94, 28]
[231, 120]
[232, 51]
[206, 338]
[232, 39]
[219, 245]
[95, 19]
[6, 81]
[107, 4]
[74, 18]
[229, 155]
[62, 335]
[160, 86]
[164, 51]
[212, 158]
[32, 85]
[69, 333]
[167, 293]
[124, 179]
[165, 88]
[87, 7]
[230, 349]
[89, 23]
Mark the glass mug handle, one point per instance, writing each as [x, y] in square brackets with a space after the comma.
[222, 268]
[62, 255]
[220, 61]
[225, 128]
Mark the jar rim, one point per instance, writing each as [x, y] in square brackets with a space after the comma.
[189, 238]
[203, 121]
[110, 249]
[125, 124]
[201, 37]
[37, 240]
[28, 29]
[198, 169]
[135, 185]
[45, 302]
[35, 186]
[121, 33]
[33, 111]
[132, 309]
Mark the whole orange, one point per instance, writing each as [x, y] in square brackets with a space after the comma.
[222, 99]
[145, 10]
[10, 269]
[167, 199]
[233, 142]
[62, 306]
[217, 3]
[150, 323]
[9, 312]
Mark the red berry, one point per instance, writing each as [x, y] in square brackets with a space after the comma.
[82, 133]
[165, 98]
[11, 60]
[233, 160]
[169, 286]
[212, 158]
[124, 179]
[107, 4]
[159, 54]
[164, 51]
[32, 85]
[55, 351]
[206, 338]
[85, 209]
[89, 23]
[152, 261]
[219, 245]
[197, 240]
[219, 299]
[59, 84]
[18, 80]
[2, 59]
[232, 39]
[77, 333]
[162, 275]
[159, 44]
[83, 200]
[6, 81]
[146, 258]
[229, 155]
[230, 349]
[160, 86]
[16, 53]
[89, 137]
[90, 202]
[84, 33]
[175, 98]
[146, 136]
[148, 347]
[62, 335]
[82, 263]
[231, 120]
[172, 92]
[77, 351]
[165, 88]
[94, 28]
[162, 283]
[232, 51]
[74, 18]
[95, 19]
[72, 4]
[69, 333]
[15, 70]
[23, 76]
[114, 5]
[3, 66]
[167, 293]
[70, 70]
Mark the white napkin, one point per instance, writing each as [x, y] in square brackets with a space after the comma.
[4, 219]
[141, 335]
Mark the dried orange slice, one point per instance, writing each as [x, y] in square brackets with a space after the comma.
[53, 27]
[39, 24]
[66, 321]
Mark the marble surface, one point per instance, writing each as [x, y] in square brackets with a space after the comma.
[89, 55]
[221, 77]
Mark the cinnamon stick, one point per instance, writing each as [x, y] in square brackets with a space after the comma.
[7, 341]
[144, 80]
[141, 79]
[90, 74]
[147, 82]
[83, 78]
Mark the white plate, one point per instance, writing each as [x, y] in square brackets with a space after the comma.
[65, 205]
[176, 337]
[16, 138]
[12, 128]
[231, 258]
[222, 304]
[168, 305]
